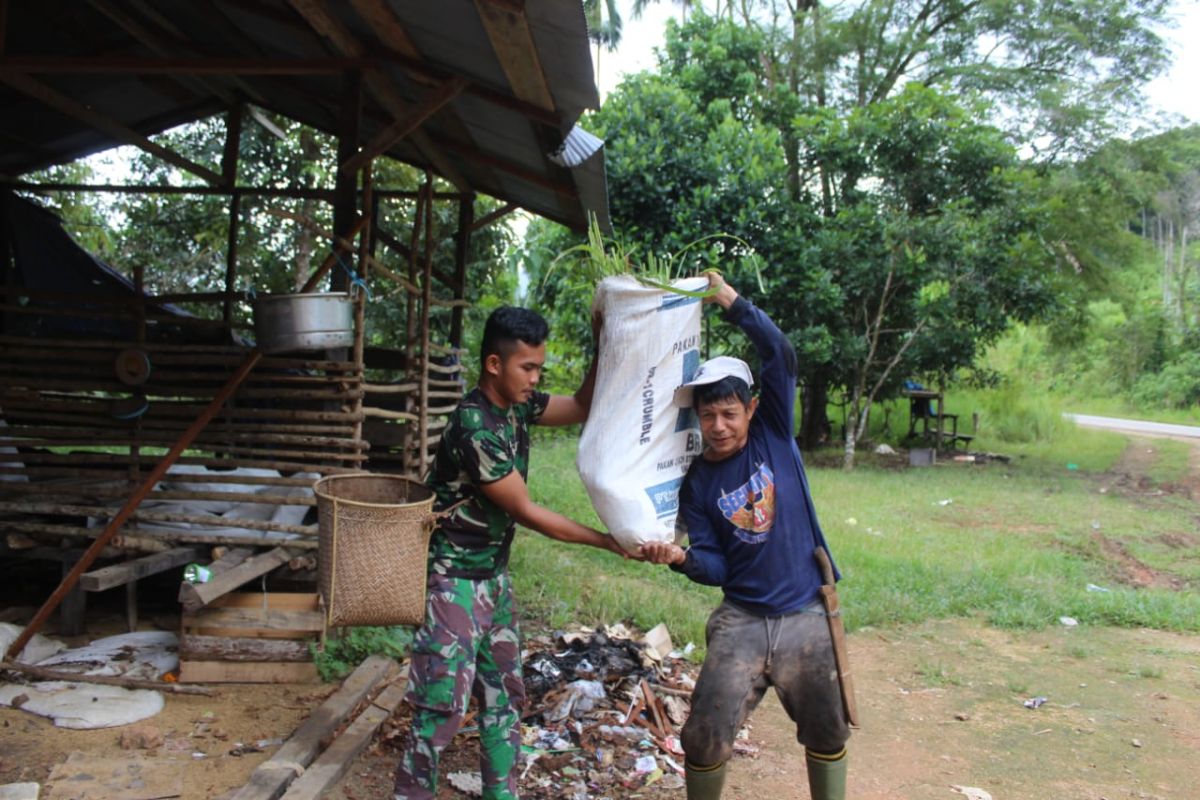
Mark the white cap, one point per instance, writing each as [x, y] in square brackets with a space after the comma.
[712, 371]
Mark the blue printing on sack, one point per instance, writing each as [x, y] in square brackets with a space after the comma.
[675, 301]
[687, 417]
[665, 497]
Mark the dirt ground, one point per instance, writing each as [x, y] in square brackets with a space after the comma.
[943, 706]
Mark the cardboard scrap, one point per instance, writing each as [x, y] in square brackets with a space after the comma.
[658, 640]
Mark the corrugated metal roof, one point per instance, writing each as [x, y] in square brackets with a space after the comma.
[147, 66]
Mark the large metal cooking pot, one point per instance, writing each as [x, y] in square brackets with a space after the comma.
[309, 321]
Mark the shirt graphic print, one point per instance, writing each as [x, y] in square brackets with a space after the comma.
[751, 506]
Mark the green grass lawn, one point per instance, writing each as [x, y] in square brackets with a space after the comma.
[1015, 544]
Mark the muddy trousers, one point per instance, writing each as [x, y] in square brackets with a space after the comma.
[468, 646]
[747, 654]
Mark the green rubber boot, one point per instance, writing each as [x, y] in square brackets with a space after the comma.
[704, 783]
[826, 775]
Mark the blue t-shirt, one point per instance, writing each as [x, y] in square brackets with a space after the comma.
[750, 518]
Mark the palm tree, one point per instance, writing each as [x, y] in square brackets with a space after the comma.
[604, 26]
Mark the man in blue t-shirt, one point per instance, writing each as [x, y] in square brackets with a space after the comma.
[752, 530]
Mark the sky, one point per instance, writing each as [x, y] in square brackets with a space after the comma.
[1175, 92]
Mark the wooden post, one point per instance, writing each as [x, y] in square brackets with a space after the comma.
[462, 245]
[941, 421]
[233, 140]
[345, 186]
[413, 368]
[139, 285]
[426, 307]
[366, 249]
[231, 257]
[114, 525]
[72, 611]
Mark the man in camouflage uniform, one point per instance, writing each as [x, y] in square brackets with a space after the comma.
[469, 644]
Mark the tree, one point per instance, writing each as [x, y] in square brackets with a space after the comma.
[679, 170]
[935, 255]
[799, 68]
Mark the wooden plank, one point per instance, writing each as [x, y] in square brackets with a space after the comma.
[196, 596]
[255, 619]
[294, 601]
[246, 672]
[120, 574]
[271, 778]
[195, 647]
[508, 31]
[227, 561]
[327, 770]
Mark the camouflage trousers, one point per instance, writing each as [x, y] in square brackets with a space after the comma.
[468, 646]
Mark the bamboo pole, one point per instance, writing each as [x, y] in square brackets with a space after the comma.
[93, 490]
[29, 435]
[118, 461]
[126, 511]
[154, 516]
[118, 388]
[236, 350]
[70, 353]
[136, 538]
[426, 299]
[113, 474]
[390, 388]
[383, 413]
[78, 313]
[17, 417]
[43, 674]
[366, 244]
[27, 399]
[97, 441]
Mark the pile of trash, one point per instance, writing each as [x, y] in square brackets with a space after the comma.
[603, 713]
[602, 718]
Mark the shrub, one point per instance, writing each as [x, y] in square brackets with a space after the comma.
[1176, 386]
[340, 656]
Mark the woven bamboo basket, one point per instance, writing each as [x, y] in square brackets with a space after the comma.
[374, 538]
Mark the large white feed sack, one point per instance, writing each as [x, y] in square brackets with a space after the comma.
[636, 445]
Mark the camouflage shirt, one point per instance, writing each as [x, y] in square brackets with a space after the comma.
[480, 444]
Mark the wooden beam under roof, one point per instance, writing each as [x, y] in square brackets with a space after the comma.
[402, 50]
[511, 39]
[68, 106]
[399, 48]
[319, 18]
[434, 100]
[154, 42]
[177, 66]
[566, 189]
[488, 219]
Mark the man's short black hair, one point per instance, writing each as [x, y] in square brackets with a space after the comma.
[728, 388]
[508, 325]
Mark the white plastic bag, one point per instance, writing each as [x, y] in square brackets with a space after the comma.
[636, 445]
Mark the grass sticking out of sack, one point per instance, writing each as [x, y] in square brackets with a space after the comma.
[597, 259]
